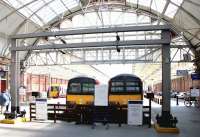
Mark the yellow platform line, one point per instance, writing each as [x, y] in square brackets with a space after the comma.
[14, 121]
[166, 129]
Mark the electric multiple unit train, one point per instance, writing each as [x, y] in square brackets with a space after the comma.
[56, 91]
[121, 89]
[80, 91]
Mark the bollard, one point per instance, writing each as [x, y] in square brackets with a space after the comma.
[177, 101]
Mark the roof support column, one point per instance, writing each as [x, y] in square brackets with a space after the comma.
[166, 74]
[166, 119]
[15, 78]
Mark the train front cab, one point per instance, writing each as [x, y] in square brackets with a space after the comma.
[123, 88]
[81, 91]
[53, 91]
[80, 96]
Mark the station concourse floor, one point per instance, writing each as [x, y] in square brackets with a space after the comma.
[189, 125]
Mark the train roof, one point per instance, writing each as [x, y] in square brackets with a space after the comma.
[125, 77]
[82, 79]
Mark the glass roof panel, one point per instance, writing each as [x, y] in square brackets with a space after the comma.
[13, 3]
[26, 12]
[35, 19]
[145, 2]
[158, 5]
[171, 10]
[36, 5]
[46, 14]
[49, 9]
[177, 2]
[45, 9]
[23, 2]
[71, 3]
[58, 7]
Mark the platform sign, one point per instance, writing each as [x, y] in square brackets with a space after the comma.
[2, 73]
[41, 109]
[101, 95]
[135, 113]
[181, 72]
[195, 92]
[195, 76]
[22, 91]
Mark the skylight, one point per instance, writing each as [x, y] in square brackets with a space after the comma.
[177, 2]
[158, 5]
[43, 11]
[171, 10]
[144, 2]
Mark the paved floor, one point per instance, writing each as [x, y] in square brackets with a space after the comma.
[189, 124]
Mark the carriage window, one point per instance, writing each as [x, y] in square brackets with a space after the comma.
[75, 87]
[88, 87]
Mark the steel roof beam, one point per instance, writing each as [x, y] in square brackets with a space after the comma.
[93, 31]
[133, 43]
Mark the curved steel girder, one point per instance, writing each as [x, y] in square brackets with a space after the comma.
[150, 13]
[142, 9]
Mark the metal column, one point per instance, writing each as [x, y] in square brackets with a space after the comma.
[166, 80]
[15, 78]
[166, 119]
[166, 74]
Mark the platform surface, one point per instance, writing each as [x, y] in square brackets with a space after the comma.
[189, 125]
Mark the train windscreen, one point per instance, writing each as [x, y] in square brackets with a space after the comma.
[81, 88]
[75, 88]
[55, 88]
[88, 87]
[125, 87]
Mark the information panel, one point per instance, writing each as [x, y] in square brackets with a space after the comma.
[181, 72]
[195, 92]
[41, 109]
[101, 95]
[135, 113]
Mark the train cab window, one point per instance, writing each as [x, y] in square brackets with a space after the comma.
[132, 84]
[117, 84]
[88, 87]
[75, 88]
[54, 88]
[132, 87]
[117, 87]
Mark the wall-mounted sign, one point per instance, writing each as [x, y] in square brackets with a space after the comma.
[2, 73]
[22, 91]
[195, 92]
[181, 72]
[195, 76]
